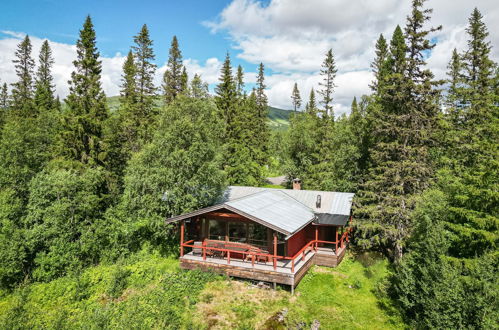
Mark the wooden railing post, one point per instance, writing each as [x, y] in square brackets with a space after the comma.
[316, 237]
[253, 260]
[182, 238]
[293, 266]
[275, 251]
[228, 256]
[204, 249]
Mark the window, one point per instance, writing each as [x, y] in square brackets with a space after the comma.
[237, 231]
[257, 234]
[217, 229]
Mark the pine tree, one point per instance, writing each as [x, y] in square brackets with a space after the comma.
[328, 73]
[295, 97]
[22, 90]
[44, 93]
[146, 91]
[81, 137]
[172, 79]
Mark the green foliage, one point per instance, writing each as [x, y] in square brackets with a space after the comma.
[62, 216]
[155, 294]
[81, 137]
[178, 171]
[174, 80]
[44, 87]
[437, 291]
[22, 90]
[403, 128]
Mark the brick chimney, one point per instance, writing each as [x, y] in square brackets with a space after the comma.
[296, 184]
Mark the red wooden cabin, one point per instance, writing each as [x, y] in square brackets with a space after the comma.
[265, 234]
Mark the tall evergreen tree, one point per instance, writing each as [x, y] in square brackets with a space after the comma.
[44, 92]
[328, 73]
[22, 90]
[261, 128]
[379, 65]
[172, 79]
[240, 81]
[311, 106]
[401, 166]
[295, 97]
[4, 97]
[81, 136]
[146, 91]
[226, 94]
[184, 86]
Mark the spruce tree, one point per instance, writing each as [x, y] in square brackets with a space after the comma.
[81, 136]
[296, 98]
[311, 106]
[172, 79]
[146, 91]
[22, 90]
[470, 158]
[240, 81]
[328, 73]
[44, 92]
[226, 94]
[379, 65]
[184, 86]
[130, 115]
[401, 166]
[4, 97]
[262, 133]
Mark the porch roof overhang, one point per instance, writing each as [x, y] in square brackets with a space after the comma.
[272, 209]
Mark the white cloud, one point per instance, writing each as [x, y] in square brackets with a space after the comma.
[291, 37]
[64, 55]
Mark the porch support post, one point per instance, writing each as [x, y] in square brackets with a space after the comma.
[336, 242]
[182, 225]
[275, 251]
[204, 249]
[316, 237]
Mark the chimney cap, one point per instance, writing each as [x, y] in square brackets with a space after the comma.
[296, 180]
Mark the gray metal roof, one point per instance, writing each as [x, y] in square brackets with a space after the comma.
[336, 203]
[272, 209]
[275, 208]
[283, 210]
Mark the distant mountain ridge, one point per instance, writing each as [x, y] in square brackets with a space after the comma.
[278, 118]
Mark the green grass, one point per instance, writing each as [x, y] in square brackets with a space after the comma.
[147, 291]
[348, 297]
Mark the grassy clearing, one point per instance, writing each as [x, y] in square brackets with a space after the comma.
[348, 297]
[151, 292]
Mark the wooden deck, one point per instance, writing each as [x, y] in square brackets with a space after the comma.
[262, 271]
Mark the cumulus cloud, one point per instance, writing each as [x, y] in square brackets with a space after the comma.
[64, 55]
[291, 37]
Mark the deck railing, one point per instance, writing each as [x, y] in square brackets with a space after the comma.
[312, 245]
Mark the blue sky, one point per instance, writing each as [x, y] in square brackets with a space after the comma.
[117, 22]
[290, 37]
